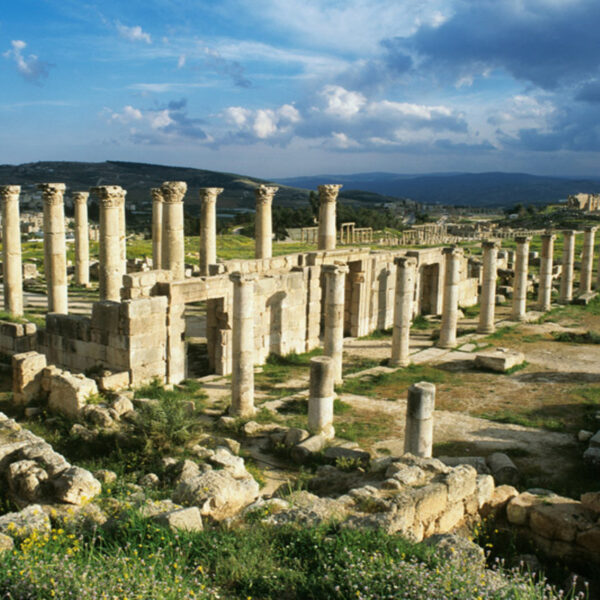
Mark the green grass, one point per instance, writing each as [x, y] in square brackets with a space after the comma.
[378, 334]
[527, 419]
[589, 337]
[421, 323]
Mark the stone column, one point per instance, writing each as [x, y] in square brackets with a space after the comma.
[123, 235]
[587, 260]
[82, 239]
[263, 223]
[568, 258]
[242, 375]
[418, 434]
[321, 396]
[333, 342]
[157, 225]
[403, 310]
[208, 228]
[519, 303]
[55, 251]
[173, 240]
[11, 250]
[546, 264]
[487, 300]
[327, 233]
[110, 271]
[450, 302]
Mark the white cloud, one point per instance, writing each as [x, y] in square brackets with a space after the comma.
[30, 67]
[181, 61]
[237, 115]
[341, 102]
[262, 123]
[133, 34]
[128, 115]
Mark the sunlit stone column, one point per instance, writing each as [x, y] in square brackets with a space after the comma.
[55, 251]
[403, 309]
[242, 375]
[11, 250]
[568, 258]
[208, 228]
[450, 302]
[173, 240]
[487, 301]
[327, 199]
[263, 224]
[157, 226]
[519, 303]
[82, 239]
[418, 434]
[123, 235]
[333, 342]
[110, 271]
[587, 260]
[546, 266]
[321, 396]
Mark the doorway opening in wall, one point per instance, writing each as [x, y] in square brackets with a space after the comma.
[196, 342]
[352, 299]
[430, 275]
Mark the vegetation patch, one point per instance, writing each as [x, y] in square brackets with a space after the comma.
[589, 337]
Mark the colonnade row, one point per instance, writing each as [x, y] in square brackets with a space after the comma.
[168, 247]
[406, 274]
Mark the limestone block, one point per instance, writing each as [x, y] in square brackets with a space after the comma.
[461, 482]
[501, 496]
[114, 382]
[20, 525]
[499, 360]
[590, 539]
[558, 520]
[477, 462]
[591, 501]
[452, 517]
[69, 393]
[356, 456]
[304, 451]
[186, 519]
[405, 474]
[122, 405]
[224, 459]
[6, 543]
[430, 502]
[26, 480]
[27, 376]
[76, 486]
[485, 489]
[518, 508]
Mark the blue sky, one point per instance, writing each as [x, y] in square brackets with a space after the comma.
[281, 88]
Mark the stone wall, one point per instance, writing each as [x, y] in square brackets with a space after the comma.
[17, 337]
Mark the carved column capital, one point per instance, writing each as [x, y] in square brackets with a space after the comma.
[209, 194]
[157, 195]
[264, 193]
[52, 193]
[173, 191]
[80, 197]
[329, 192]
[9, 192]
[109, 195]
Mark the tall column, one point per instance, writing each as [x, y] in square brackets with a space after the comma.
[157, 225]
[587, 260]
[55, 251]
[418, 434]
[263, 223]
[568, 258]
[487, 301]
[208, 228]
[546, 266]
[242, 375]
[403, 309]
[82, 239]
[321, 396]
[327, 233]
[333, 342]
[519, 303]
[11, 250]
[110, 271]
[123, 235]
[173, 240]
[450, 302]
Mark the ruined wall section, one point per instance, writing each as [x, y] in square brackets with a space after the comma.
[17, 337]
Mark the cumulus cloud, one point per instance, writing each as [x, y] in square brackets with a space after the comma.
[133, 34]
[275, 124]
[32, 68]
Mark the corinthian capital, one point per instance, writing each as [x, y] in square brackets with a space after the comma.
[173, 191]
[157, 195]
[329, 192]
[109, 196]
[52, 193]
[9, 192]
[209, 194]
[264, 193]
[80, 197]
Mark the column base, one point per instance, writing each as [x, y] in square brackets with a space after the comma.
[486, 330]
[398, 363]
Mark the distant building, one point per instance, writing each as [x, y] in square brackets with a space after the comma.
[587, 202]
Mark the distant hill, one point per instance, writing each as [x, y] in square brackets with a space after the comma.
[470, 189]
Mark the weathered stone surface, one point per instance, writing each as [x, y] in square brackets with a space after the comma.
[499, 360]
[590, 539]
[558, 518]
[503, 469]
[405, 474]
[518, 508]
[304, 451]
[105, 476]
[503, 494]
[477, 462]
[26, 480]
[592, 457]
[453, 515]
[595, 440]
[224, 459]
[149, 480]
[97, 415]
[187, 519]
[6, 543]
[71, 517]
[430, 501]
[20, 525]
[122, 405]
[584, 435]
[27, 376]
[69, 393]
[113, 382]
[461, 482]
[591, 500]
[306, 509]
[76, 486]
[485, 489]
[357, 457]
[294, 436]
[459, 549]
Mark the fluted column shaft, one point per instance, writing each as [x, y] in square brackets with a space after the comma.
[110, 272]
[242, 375]
[452, 257]
[403, 309]
[208, 228]
[123, 236]
[263, 223]
[327, 200]
[11, 250]
[519, 305]
[546, 266]
[587, 260]
[82, 239]
[157, 226]
[568, 259]
[487, 301]
[55, 251]
[333, 342]
[173, 240]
